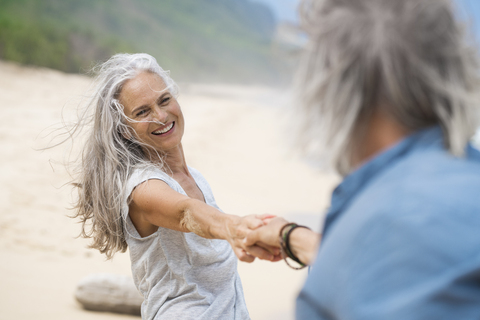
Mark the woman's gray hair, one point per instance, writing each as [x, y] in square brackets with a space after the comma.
[110, 152]
[410, 57]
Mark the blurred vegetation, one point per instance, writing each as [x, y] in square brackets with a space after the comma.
[199, 40]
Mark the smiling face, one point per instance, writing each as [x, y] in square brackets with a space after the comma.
[157, 118]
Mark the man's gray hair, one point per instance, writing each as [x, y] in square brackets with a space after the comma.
[410, 57]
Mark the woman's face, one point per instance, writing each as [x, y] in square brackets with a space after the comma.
[148, 102]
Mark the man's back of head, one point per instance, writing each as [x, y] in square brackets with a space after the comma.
[406, 60]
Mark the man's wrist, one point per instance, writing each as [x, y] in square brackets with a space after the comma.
[304, 243]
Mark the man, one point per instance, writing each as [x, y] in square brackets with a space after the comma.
[389, 92]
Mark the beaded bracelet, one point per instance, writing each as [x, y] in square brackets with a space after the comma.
[285, 244]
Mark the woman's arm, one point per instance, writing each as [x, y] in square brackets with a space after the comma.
[154, 204]
[302, 242]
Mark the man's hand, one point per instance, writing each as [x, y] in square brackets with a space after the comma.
[239, 229]
[266, 237]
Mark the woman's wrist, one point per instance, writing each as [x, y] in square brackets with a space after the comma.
[225, 226]
[207, 221]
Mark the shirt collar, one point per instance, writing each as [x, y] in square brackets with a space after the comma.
[358, 179]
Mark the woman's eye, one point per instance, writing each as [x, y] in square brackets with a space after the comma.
[165, 100]
[141, 113]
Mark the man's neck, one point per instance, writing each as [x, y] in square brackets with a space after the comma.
[381, 133]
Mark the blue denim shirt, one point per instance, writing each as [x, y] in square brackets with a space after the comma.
[401, 239]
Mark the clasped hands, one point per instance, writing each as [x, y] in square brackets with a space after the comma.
[257, 236]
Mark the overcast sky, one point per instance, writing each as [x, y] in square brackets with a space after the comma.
[468, 9]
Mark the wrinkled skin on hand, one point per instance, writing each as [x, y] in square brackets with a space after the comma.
[266, 236]
[238, 232]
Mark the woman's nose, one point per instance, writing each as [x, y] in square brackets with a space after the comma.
[160, 115]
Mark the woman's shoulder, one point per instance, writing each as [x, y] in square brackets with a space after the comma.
[148, 171]
[145, 173]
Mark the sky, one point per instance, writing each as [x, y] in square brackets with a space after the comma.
[284, 9]
[468, 9]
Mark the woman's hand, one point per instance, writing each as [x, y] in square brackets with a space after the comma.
[266, 235]
[242, 227]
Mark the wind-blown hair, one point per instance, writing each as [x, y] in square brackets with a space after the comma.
[110, 152]
[409, 57]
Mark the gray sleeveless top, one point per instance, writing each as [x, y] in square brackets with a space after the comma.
[182, 275]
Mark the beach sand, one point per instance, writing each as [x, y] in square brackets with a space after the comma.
[234, 136]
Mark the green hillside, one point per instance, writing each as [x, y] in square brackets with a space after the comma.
[205, 40]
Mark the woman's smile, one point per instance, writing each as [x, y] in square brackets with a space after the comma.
[164, 130]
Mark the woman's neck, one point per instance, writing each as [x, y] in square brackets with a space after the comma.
[175, 161]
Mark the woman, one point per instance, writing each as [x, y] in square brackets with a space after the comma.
[136, 190]
[390, 94]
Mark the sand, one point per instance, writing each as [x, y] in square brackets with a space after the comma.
[234, 136]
